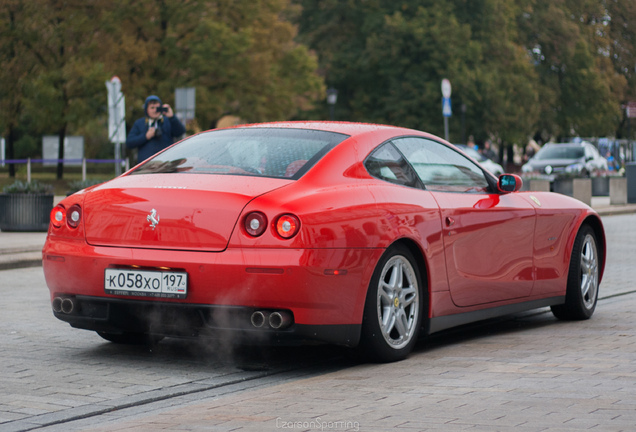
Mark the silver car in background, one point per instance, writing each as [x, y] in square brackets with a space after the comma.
[490, 165]
[572, 159]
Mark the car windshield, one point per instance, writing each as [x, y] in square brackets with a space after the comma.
[267, 152]
[560, 152]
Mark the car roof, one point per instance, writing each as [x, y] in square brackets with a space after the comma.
[347, 128]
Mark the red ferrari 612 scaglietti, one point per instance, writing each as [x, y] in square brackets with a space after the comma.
[353, 234]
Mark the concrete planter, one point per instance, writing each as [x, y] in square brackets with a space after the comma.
[630, 175]
[600, 186]
[25, 212]
[618, 190]
[539, 185]
[579, 188]
[536, 185]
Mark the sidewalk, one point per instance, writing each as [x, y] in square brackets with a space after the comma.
[18, 250]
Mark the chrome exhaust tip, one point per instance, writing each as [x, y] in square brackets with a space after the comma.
[57, 304]
[258, 319]
[280, 320]
[68, 305]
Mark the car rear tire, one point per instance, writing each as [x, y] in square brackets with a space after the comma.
[128, 338]
[583, 279]
[393, 307]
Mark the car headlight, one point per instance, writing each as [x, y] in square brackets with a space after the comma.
[527, 168]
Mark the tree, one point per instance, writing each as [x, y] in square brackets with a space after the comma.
[579, 89]
[239, 55]
[62, 38]
[388, 59]
[17, 66]
[622, 47]
[504, 95]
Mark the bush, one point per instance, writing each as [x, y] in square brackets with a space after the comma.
[33, 187]
[78, 185]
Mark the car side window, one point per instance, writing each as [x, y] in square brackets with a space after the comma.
[441, 168]
[388, 164]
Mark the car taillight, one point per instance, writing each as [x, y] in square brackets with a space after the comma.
[255, 224]
[58, 215]
[287, 226]
[74, 216]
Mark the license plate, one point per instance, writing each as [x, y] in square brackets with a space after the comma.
[146, 283]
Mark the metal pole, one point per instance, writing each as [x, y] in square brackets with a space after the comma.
[28, 170]
[446, 128]
[463, 123]
[84, 169]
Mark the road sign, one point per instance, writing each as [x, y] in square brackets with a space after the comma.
[185, 103]
[446, 88]
[116, 111]
[446, 104]
[446, 107]
[631, 110]
[116, 118]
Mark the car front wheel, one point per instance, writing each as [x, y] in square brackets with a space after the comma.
[393, 308]
[583, 279]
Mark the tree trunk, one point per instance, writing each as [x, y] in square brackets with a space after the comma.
[60, 152]
[10, 149]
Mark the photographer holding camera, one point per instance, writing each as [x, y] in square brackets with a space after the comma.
[156, 131]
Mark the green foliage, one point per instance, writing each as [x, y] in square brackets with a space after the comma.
[33, 187]
[239, 55]
[78, 185]
[520, 67]
[56, 56]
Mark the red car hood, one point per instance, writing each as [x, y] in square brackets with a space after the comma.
[188, 211]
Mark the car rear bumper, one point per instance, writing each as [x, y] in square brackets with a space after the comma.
[231, 323]
[324, 290]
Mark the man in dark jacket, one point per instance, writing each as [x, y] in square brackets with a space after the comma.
[156, 131]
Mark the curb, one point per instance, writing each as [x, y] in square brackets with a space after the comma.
[23, 259]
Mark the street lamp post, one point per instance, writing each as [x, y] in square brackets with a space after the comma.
[332, 97]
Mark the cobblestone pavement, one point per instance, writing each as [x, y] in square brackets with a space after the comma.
[530, 372]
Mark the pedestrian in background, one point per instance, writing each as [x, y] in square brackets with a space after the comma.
[488, 151]
[155, 131]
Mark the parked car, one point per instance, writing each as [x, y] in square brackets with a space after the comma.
[574, 159]
[489, 164]
[353, 234]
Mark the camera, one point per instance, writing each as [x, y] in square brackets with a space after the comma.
[161, 109]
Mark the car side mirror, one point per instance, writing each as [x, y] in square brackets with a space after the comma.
[509, 183]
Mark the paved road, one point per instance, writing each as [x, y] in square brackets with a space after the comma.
[529, 372]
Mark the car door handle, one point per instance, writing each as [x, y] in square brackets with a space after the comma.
[450, 221]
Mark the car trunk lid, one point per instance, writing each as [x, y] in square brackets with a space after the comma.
[170, 211]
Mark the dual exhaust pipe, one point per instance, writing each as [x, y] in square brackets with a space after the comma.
[277, 320]
[65, 305]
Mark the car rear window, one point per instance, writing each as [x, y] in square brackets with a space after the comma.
[266, 152]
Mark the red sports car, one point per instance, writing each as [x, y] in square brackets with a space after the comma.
[354, 234]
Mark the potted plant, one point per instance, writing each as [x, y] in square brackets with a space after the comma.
[25, 206]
